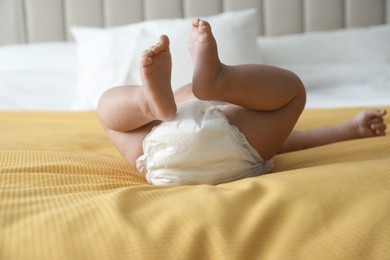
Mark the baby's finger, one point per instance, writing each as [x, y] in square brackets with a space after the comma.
[379, 129]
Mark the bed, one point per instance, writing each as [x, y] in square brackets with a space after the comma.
[67, 193]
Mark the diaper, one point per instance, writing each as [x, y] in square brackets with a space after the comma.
[199, 146]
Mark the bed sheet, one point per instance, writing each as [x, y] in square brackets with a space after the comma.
[66, 193]
[34, 90]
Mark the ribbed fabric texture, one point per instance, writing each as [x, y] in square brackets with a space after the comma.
[66, 193]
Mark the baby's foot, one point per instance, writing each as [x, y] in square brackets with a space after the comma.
[207, 66]
[370, 123]
[156, 92]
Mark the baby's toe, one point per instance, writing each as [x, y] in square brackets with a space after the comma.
[195, 23]
[204, 27]
[204, 23]
[145, 61]
[164, 42]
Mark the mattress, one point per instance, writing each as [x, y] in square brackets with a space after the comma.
[67, 193]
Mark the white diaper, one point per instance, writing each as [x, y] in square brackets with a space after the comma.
[199, 146]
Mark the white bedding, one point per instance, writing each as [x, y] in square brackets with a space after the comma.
[38, 76]
[340, 68]
[46, 76]
[331, 85]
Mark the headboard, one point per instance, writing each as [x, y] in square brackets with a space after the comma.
[25, 21]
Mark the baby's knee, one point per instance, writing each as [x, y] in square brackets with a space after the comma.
[300, 97]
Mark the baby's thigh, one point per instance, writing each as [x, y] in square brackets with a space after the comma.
[266, 131]
[129, 143]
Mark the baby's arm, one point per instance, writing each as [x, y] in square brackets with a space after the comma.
[368, 123]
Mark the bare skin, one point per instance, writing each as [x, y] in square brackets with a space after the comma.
[265, 102]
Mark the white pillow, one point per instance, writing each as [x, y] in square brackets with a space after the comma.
[109, 57]
[327, 75]
[50, 56]
[370, 44]
[40, 76]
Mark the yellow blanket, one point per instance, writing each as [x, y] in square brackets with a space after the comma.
[66, 193]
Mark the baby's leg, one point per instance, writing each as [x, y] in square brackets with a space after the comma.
[368, 123]
[266, 101]
[128, 113]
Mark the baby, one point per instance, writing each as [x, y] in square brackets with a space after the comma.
[226, 125]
